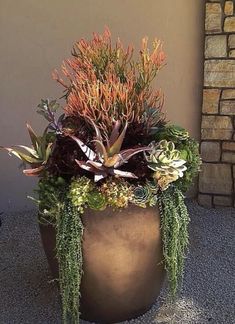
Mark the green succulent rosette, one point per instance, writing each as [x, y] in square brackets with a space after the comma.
[141, 195]
[96, 201]
[152, 186]
[177, 132]
[172, 133]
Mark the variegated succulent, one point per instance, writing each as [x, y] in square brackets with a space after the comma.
[165, 161]
[37, 155]
[106, 159]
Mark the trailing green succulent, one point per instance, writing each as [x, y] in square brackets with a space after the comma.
[69, 232]
[174, 230]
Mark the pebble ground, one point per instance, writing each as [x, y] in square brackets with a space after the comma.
[208, 291]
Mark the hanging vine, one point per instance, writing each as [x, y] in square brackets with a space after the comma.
[69, 232]
[174, 231]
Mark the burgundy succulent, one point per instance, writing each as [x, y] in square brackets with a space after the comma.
[106, 159]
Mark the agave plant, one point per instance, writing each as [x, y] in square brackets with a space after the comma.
[37, 155]
[106, 159]
[165, 160]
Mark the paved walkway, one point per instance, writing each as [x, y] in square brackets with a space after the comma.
[208, 293]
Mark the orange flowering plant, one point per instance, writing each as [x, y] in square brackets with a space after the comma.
[111, 146]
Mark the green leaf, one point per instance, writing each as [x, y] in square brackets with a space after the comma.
[28, 149]
[21, 156]
[116, 147]
[48, 151]
[33, 135]
[101, 150]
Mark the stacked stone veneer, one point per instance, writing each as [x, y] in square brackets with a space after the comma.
[216, 180]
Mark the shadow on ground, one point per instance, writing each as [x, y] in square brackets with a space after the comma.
[208, 290]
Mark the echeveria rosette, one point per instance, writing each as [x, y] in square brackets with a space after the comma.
[165, 161]
[173, 133]
[177, 132]
[96, 201]
[153, 187]
[141, 196]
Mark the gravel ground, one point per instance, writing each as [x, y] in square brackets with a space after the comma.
[208, 291]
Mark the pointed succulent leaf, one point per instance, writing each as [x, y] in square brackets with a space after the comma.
[97, 165]
[32, 152]
[35, 171]
[22, 156]
[100, 150]
[99, 146]
[116, 147]
[48, 151]
[90, 154]
[97, 132]
[114, 134]
[33, 136]
[99, 176]
[124, 174]
[125, 155]
[84, 166]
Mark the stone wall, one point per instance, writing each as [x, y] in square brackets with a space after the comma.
[216, 180]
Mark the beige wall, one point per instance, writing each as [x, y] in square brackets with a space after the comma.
[35, 36]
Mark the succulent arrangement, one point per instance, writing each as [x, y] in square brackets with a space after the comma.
[110, 147]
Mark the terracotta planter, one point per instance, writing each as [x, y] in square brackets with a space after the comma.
[123, 269]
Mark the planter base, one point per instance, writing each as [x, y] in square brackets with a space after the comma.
[122, 262]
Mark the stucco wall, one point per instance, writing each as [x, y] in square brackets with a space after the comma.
[37, 35]
[217, 177]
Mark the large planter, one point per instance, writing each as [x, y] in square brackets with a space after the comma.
[122, 262]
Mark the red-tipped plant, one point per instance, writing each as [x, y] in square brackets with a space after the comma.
[104, 84]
